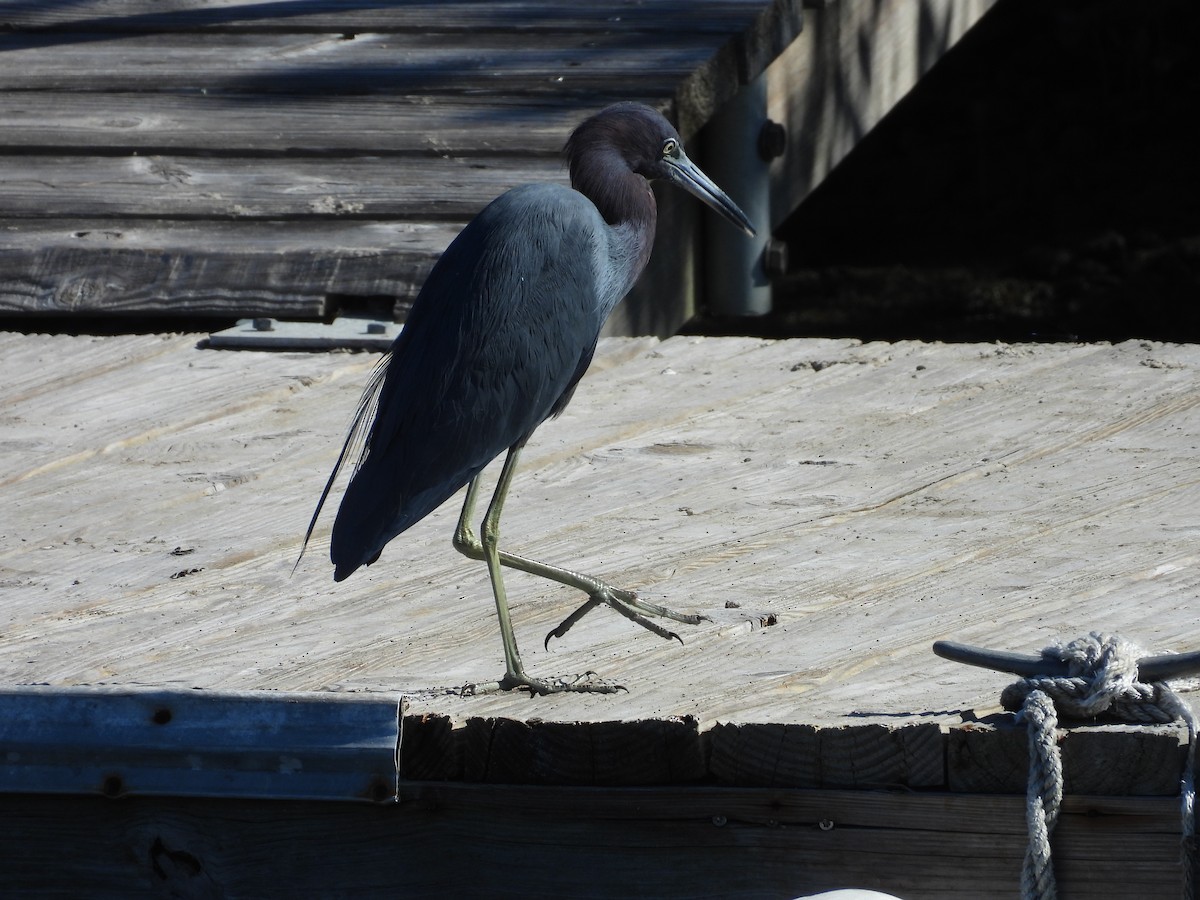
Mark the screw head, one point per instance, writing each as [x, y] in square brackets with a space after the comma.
[775, 258]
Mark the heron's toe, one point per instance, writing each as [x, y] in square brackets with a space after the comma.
[585, 683]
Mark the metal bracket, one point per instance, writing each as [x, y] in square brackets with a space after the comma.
[343, 333]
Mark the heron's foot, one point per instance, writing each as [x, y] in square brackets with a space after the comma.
[632, 607]
[586, 683]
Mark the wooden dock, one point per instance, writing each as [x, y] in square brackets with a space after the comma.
[833, 507]
[856, 501]
[195, 718]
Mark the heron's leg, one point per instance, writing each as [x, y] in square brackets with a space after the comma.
[465, 541]
[514, 671]
[626, 602]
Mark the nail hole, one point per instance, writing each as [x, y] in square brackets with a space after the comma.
[113, 786]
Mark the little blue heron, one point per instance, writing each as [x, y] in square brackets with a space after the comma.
[501, 332]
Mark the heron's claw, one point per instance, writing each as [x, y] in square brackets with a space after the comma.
[632, 607]
[586, 683]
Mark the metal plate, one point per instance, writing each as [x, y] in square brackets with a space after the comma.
[345, 333]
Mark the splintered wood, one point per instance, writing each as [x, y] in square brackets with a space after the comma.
[833, 507]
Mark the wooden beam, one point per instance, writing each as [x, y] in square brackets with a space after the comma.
[521, 841]
[446, 16]
[183, 188]
[855, 60]
[429, 63]
[125, 267]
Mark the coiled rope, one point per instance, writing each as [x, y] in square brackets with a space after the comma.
[1102, 679]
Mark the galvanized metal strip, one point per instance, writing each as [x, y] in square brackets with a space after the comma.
[124, 741]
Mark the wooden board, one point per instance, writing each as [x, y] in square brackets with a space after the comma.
[302, 269]
[379, 15]
[149, 123]
[521, 841]
[431, 63]
[189, 188]
[863, 499]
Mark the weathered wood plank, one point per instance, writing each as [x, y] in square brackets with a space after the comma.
[798, 755]
[873, 497]
[720, 16]
[1100, 759]
[175, 187]
[330, 64]
[659, 751]
[698, 69]
[54, 122]
[546, 842]
[211, 268]
[885, 809]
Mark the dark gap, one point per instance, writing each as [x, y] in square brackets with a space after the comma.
[113, 324]
[1038, 184]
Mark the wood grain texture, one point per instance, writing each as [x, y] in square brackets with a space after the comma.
[799, 755]
[428, 63]
[57, 122]
[1101, 759]
[382, 15]
[301, 269]
[872, 498]
[183, 188]
[657, 751]
[869, 498]
[554, 842]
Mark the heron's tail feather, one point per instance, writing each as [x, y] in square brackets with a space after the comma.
[357, 445]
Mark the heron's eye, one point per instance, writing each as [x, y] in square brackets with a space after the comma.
[670, 148]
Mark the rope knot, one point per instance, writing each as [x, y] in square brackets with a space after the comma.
[1102, 672]
[1102, 680]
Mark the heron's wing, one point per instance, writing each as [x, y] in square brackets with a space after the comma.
[502, 328]
[501, 331]
[355, 446]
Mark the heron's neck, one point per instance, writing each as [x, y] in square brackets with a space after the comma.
[620, 195]
[624, 200]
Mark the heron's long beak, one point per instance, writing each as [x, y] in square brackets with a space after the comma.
[685, 173]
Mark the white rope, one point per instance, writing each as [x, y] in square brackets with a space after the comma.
[1102, 679]
[1042, 796]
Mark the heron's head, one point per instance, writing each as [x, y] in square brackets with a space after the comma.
[631, 137]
